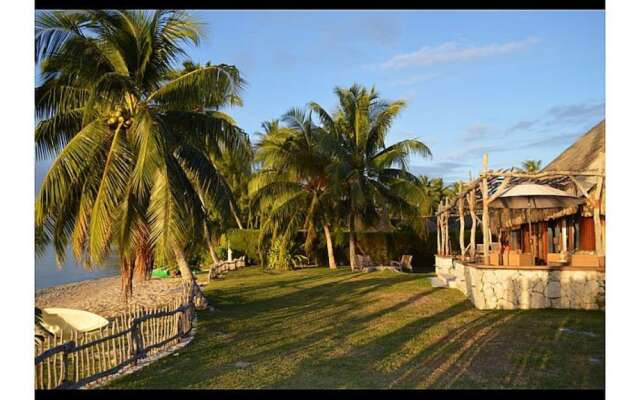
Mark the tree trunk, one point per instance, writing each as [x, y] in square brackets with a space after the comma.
[212, 252]
[353, 259]
[327, 235]
[235, 215]
[199, 299]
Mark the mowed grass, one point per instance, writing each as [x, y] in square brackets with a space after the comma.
[317, 328]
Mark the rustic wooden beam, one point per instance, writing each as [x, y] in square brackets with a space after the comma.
[438, 218]
[584, 192]
[596, 218]
[485, 209]
[468, 187]
[446, 228]
[461, 216]
[564, 235]
[543, 174]
[471, 199]
[501, 189]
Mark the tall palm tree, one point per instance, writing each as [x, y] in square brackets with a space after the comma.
[366, 170]
[130, 167]
[531, 165]
[233, 163]
[430, 193]
[292, 188]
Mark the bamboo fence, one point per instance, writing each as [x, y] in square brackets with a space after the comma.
[71, 360]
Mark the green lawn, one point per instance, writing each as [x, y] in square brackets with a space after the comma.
[317, 328]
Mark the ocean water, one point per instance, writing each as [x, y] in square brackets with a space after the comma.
[47, 274]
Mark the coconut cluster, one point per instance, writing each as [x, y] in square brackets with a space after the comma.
[119, 117]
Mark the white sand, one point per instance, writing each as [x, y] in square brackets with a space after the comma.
[103, 296]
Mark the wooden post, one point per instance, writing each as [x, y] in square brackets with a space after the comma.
[471, 199]
[461, 215]
[137, 339]
[596, 217]
[447, 249]
[485, 209]
[438, 218]
[66, 365]
[564, 235]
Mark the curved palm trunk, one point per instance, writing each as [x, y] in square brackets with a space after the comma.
[353, 259]
[199, 299]
[327, 235]
[212, 252]
[235, 215]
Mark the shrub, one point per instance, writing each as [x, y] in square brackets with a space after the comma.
[243, 242]
[279, 257]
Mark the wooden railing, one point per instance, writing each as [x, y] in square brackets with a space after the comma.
[71, 360]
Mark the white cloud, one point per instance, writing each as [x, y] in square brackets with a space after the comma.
[412, 80]
[453, 52]
[477, 132]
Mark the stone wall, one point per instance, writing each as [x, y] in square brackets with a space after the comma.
[513, 288]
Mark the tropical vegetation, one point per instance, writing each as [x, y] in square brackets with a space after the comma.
[146, 163]
[130, 136]
[531, 165]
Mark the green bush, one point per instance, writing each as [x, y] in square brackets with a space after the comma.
[243, 242]
[280, 257]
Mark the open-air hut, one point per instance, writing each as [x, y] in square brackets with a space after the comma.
[566, 235]
[569, 241]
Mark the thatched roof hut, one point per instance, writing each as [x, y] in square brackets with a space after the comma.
[586, 154]
[548, 234]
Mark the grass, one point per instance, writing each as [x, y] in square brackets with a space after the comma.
[317, 328]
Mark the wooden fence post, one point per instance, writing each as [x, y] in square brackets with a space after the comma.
[65, 365]
[137, 339]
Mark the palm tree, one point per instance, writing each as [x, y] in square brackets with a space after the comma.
[366, 170]
[292, 189]
[531, 165]
[233, 163]
[130, 168]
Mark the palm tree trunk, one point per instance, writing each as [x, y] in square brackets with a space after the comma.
[199, 299]
[235, 215]
[327, 235]
[212, 252]
[353, 259]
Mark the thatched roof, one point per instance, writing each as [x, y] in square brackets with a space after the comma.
[587, 153]
[584, 154]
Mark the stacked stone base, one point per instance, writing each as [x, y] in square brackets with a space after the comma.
[511, 288]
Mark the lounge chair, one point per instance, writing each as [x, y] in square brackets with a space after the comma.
[365, 261]
[404, 263]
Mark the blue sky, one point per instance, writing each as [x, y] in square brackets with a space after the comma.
[518, 85]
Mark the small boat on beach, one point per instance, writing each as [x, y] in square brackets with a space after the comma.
[56, 320]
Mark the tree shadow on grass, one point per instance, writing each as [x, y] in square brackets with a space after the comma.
[363, 331]
[292, 323]
[495, 349]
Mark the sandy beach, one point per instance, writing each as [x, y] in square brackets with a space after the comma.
[103, 296]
